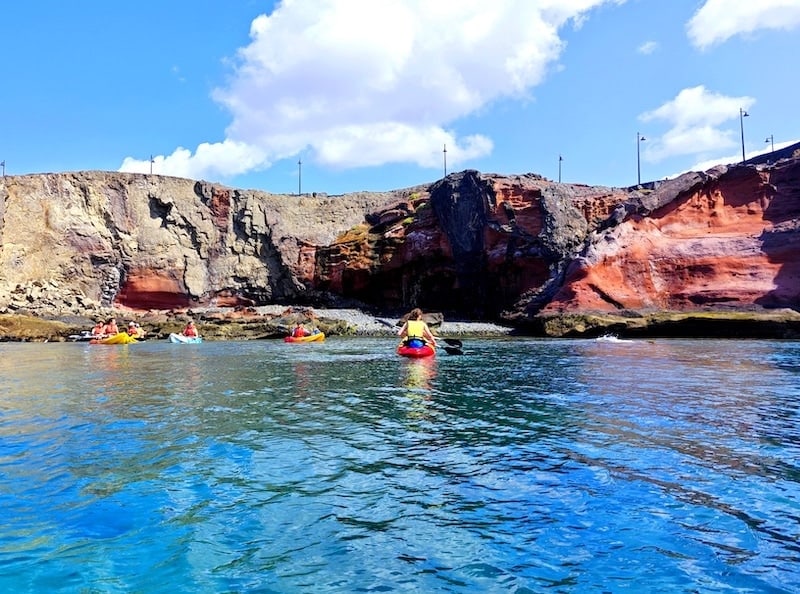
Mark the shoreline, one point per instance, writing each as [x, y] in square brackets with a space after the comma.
[228, 323]
[276, 321]
[370, 325]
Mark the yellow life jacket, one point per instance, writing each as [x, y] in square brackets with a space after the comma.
[414, 328]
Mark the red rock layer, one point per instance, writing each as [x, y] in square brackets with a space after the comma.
[152, 289]
[732, 243]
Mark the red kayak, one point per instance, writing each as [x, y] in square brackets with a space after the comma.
[416, 352]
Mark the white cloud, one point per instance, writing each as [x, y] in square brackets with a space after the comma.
[707, 164]
[694, 117]
[719, 20]
[648, 47]
[370, 82]
[208, 161]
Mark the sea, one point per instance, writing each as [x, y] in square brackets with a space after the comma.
[520, 465]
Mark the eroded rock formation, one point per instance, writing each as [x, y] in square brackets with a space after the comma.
[476, 245]
[75, 240]
[725, 239]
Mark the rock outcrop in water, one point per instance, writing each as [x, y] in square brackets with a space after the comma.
[517, 248]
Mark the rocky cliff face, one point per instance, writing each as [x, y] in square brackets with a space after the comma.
[80, 240]
[729, 238]
[471, 244]
[478, 245]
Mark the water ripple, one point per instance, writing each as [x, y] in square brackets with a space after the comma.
[570, 465]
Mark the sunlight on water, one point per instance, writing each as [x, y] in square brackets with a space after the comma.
[523, 465]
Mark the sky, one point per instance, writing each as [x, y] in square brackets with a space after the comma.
[339, 96]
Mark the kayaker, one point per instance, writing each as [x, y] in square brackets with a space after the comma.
[135, 330]
[300, 331]
[415, 331]
[98, 330]
[190, 330]
[110, 329]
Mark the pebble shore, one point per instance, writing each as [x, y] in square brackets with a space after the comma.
[368, 325]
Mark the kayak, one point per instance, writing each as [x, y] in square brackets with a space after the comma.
[415, 352]
[84, 336]
[611, 338]
[119, 338]
[318, 337]
[181, 339]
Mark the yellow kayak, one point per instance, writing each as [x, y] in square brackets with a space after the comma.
[119, 338]
[319, 336]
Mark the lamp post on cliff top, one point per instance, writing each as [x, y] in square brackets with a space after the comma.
[151, 164]
[742, 115]
[560, 158]
[299, 176]
[444, 153]
[639, 140]
[771, 140]
[3, 164]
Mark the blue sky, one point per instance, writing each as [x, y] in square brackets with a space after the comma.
[368, 93]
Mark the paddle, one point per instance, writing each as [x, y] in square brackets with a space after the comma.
[455, 346]
[453, 350]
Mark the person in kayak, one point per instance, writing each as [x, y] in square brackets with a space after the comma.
[415, 331]
[191, 330]
[301, 331]
[99, 329]
[110, 329]
[135, 330]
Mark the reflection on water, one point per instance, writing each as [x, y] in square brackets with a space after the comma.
[418, 377]
[525, 465]
[418, 374]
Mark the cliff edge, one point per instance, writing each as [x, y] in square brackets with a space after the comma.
[514, 248]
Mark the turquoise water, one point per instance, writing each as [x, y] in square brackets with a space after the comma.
[522, 466]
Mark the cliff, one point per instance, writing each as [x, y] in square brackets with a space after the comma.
[90, 239]
[726, 239]
[517, 248]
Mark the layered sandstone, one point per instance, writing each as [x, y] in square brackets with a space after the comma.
[729, 239]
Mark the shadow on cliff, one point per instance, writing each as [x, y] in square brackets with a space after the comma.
[459, 203]
[781, 243]
[497, 253]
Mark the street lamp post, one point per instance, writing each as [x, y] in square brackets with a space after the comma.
[639, 140]
[771, 140]
[742, 115]
[151, 164]
[444, 154]
[560, 158]
[299, 176]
